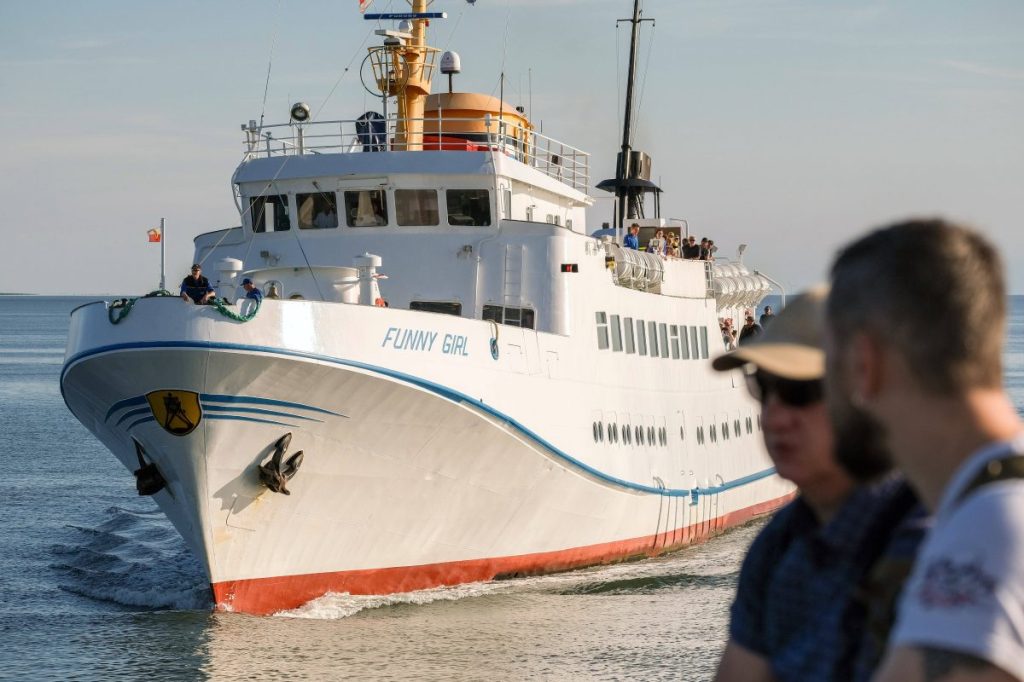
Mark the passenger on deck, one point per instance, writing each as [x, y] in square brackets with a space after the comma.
[704, 254]
[251, 291]
[657, 245]
[673, 247]
[273, 292]
[804, 596]
[195, 288]
[711, 249]
[691, 249]
[631, 240]
[767, 316]
[750, 330]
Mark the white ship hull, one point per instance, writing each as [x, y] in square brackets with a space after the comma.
[427, 461]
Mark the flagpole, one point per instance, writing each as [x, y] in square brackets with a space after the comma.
[163, 243]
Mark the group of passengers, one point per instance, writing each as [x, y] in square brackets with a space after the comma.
[733, 338]
[671, 245]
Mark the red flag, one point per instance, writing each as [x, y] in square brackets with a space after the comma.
[363, 4]
[154, 234]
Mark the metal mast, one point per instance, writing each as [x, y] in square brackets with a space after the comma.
[632, 172]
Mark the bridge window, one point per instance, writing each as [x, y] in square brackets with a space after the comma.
[270, 213]
[366, 208]
[445, 307]
[704, 342]
[468, 207]
[416, 206]
[663, 338]
[652, 338]
[317, 211]
[684, 343]
[673, 332]
[514, 317]
[694, 344]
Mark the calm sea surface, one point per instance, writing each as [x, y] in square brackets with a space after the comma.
[95, 584]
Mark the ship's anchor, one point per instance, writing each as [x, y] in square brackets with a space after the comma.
[148, 480]
[276, 473]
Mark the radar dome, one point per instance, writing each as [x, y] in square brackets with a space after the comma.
[450, 63]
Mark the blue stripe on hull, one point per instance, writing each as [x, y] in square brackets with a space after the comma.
[443, 391]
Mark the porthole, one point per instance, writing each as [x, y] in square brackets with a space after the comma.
[650, 435]
[736, 427]
[595, 432]
[613, 432]
[600, 431]
[640, 437]
[627, 434]
[664, 436]
[682, 434]
[714, 433]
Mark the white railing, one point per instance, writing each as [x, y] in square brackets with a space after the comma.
[556, 159]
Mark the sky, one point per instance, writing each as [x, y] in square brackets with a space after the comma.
[791, 126]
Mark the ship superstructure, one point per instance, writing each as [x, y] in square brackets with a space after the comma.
[479, 387]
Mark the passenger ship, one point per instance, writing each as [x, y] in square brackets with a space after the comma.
[518, 395]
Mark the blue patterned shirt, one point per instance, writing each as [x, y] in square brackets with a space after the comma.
[795, 603]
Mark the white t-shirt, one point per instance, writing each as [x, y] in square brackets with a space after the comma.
[966, 592]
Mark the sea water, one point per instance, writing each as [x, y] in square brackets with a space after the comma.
[95, 584]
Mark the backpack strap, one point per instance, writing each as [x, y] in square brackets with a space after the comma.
[995, 470]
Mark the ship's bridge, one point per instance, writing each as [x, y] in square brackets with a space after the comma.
[454, 123]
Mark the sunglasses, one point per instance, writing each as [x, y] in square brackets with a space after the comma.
[792, 392]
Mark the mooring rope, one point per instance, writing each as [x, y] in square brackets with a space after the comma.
[119, 309]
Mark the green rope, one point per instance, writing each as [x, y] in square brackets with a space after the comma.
[222, 308]
[119, 309]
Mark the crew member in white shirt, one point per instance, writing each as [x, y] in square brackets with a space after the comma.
[916, 320]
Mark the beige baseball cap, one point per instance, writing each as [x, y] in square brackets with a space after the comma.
[791, 345]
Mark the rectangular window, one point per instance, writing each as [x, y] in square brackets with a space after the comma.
[684, 342]
[507, 200]
[641, 337]
[616, 334]
[627, 327]
[694, 344]
[416, 207]
[602, 331]
[468, 207]
[445, 307]
[704, 342]
[652, 338]
[673, 332]
[270, 213]
[366, 208]
[317, 211]
[663, 338]
[514, 317]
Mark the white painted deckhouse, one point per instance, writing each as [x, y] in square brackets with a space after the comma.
[480, 388]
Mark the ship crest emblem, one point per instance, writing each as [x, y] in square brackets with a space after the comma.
[178, 412]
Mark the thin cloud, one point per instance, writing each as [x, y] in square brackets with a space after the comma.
[983, 70]
[85, 44]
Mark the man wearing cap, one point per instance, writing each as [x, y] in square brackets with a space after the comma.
[252, 291]
[796, 615]
[195, 288]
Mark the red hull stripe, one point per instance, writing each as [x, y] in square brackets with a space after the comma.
[261, 596]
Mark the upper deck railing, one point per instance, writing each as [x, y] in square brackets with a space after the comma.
[556, 159]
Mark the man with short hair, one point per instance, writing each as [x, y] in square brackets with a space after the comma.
[796, 615]
[916, 320]
[631, 240]
[766, 316]
[195, 288]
